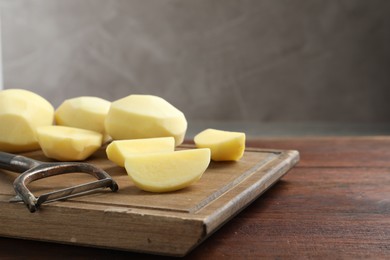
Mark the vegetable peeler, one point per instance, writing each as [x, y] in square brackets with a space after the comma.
[32, 170]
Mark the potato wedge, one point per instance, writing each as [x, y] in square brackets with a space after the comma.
[224, 145]
[169, 171]
[118, 150]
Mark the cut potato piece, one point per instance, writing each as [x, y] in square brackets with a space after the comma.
[84, 112]
[21, 112]
[68, 143]
[224, 145]
[170, 171]
[145, 116]
[118, 150]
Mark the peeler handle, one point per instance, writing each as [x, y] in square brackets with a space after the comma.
[16, 163]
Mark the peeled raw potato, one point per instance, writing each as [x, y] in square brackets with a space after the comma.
[68, 143]
[170, 171]
[21, 112]
[145, 116]
[84, 112]
[224, 145]
[118, 150]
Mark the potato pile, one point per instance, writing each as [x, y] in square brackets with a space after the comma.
[142, 132]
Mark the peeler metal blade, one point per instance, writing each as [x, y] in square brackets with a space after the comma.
[33, 170]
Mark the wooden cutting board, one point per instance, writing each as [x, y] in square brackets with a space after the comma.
[133, 220]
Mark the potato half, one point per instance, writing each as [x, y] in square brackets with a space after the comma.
[65, 143]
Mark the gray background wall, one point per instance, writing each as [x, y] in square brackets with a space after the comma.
[259, 60]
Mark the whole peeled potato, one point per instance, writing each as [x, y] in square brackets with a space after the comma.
[21, 112]
[86, 112]
[145, 116]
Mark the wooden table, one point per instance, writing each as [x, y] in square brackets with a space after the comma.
[334, 204]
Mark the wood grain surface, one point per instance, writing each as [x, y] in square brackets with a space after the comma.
[335, 204]
[130, 219]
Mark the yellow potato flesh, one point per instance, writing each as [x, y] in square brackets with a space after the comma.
[145, 116]
[224, 145]
[84, 112]
[118, 150]
[170, 171]
[21, 112]
[68, 143]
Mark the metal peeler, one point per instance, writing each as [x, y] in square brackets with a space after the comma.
[32, 170]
